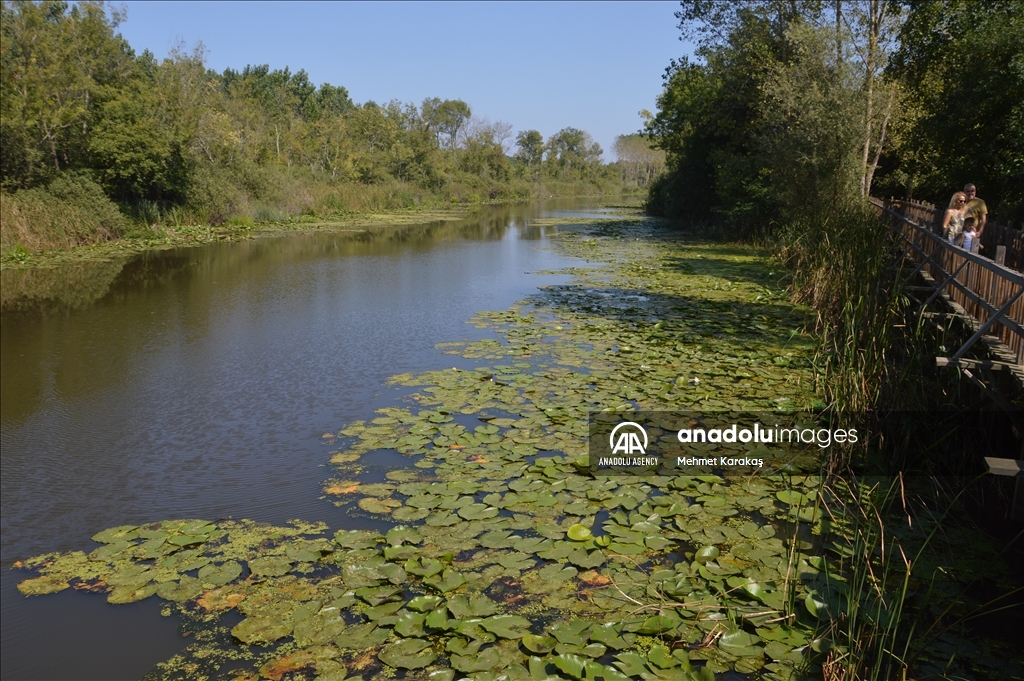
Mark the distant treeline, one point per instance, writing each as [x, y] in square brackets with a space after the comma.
[98, 141]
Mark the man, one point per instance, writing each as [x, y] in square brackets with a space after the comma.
[975, 212]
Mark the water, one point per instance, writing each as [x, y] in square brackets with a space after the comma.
[198, 383]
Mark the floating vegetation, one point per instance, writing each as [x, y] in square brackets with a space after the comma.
[508, 559]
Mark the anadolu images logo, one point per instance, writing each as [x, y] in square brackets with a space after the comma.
[628, 441]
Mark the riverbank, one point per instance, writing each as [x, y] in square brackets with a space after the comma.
[184, 235]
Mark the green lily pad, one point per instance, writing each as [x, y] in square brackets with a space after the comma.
[608, 634]
[426, 567]
[443, 519]
[270, 566]
[661, 656]
[111, 550]
[463, 607]
[449, 580]
[379, 611]
[542, 645]
[792, 498]
[489, 659]
[438, 620]
[507, 626]
[571, 633]
[39, 586]
[410, 625]
[658, 624]
[424, 603]
[706, 554]
[261, 630]
[579, 532]
[220, 574]
[402, 535]
[477, 512]
[581, 558]
[571, 665]
[117, 534]
[131, 593]
[182, 590]
[412, 653]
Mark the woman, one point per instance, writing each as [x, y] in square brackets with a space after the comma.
[953, 221]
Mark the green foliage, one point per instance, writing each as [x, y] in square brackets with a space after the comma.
[962, 66]
[177, 144]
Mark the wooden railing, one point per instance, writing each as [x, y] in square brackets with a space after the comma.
[990, 295]
[996, 233]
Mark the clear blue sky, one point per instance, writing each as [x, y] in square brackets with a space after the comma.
[536, 65]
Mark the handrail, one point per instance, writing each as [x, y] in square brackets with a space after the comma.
[991, 294]
[1002, 270]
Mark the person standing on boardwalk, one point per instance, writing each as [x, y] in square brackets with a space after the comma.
[953, 220]
[975, 212]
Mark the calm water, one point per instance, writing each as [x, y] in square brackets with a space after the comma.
[198, 383]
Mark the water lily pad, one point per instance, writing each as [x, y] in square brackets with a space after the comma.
[579, 532]
[507, 626]
[581, 558]
[463, 607]
[218, 575]
[488, 659]
[573, 632]
[261, 630]
[270, 566]
[542, 645]
[449, 580]
[657, 625]
[39, 586]
[111, 550]
[410, 625]
[410, 653]
[477, 512]
[380, 611]
[402, 535]
[117, 534]
[425, 567]
[706, 553]
[442, 519]
[792, 498]
[661, 656]
[184, 589]
[131, 593]
[424, 603]
[573, 666]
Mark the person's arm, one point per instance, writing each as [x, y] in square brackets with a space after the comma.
[982, 219]
[945, 221]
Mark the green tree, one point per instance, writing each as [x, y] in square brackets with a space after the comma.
[961, 64]
[572, 153]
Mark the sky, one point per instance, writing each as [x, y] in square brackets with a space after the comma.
[535, 65]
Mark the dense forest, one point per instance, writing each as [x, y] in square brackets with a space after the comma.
[788, 104]
[98, 141]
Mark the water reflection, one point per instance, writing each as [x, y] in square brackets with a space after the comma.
[198, 382]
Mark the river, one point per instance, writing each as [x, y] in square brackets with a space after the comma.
[199, 383]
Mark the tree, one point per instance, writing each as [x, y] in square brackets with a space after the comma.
[530, 148]
[640, 161]
[961, 65]
[58, 63]
[572, 152]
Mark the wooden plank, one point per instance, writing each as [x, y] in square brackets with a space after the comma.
[1013, 468]
[974, 364]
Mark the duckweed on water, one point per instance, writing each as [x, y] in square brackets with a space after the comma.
[508, 559]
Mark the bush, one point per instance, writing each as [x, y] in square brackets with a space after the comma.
[71, 211]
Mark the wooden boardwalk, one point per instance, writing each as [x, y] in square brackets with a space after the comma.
[985, 295]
